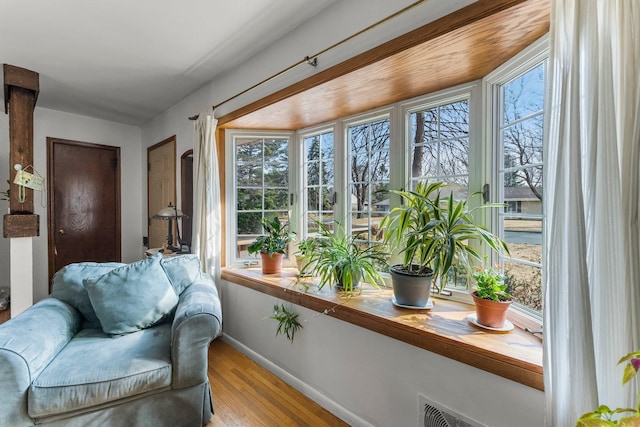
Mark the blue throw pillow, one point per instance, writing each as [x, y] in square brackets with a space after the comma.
[182, 270]
[67, 285]
[132, 297]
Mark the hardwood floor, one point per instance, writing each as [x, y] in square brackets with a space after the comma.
[246, 395]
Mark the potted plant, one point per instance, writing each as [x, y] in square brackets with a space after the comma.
[305, 249]
[491, 298]
[344, 260]
[433, 235]
[604, 416]
[272, 245]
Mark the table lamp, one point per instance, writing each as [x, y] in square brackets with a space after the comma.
[171, 213]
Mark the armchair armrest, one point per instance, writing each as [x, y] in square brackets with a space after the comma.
[198, 320]
[27, 344]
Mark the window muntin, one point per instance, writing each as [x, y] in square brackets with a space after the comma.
[261, 182]
[319, 180]
[368, 172]
[520, 144]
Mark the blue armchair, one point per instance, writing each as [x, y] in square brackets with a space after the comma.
[113, 346]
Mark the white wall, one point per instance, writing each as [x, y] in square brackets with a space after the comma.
[367, 378]
[51, 123]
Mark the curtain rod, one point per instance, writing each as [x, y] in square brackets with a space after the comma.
[313, 59]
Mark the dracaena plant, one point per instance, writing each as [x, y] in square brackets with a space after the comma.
[435, 233]
[605, 416]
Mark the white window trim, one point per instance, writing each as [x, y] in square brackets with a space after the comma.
[526, 60]
[230, 188]
[472, 92]
[299, 175]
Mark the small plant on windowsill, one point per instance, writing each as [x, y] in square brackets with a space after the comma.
[490, 284]
[343, 260]
[491, 297]
[303, 254]
[604, 416]
[272, 245]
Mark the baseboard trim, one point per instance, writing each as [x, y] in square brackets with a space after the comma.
[304, 388]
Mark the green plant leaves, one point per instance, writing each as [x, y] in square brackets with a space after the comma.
[434, 232]
[287, 319]
[344, 260]
[276, 239]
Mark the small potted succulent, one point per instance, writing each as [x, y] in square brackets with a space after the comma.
[491, 297]
[342, 260]
[272, 245]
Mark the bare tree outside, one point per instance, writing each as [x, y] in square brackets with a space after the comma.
[369, 164]
[440, 145]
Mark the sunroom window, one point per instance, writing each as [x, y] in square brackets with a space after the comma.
[368, 171]
[260, 186]
[318, 188]
[439, 150]
[519, 138]
[518, 96]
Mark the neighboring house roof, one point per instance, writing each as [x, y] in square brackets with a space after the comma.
[521, 193]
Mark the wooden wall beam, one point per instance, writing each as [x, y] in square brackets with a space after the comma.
[21, 88]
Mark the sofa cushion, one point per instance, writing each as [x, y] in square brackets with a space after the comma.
[95, 368]
[67, 285]
[182, 270]
[132, 297]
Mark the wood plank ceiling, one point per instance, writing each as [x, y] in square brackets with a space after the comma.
[455, 49]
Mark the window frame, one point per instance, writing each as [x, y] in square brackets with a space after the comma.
[385, 113]
[476, 169]
[525, 61]
[231, 135]
[483, 155]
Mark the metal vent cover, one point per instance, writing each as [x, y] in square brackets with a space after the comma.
[435, 415]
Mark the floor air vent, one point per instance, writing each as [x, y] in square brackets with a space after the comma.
[436, 415]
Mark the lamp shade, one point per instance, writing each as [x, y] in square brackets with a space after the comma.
[169, 212]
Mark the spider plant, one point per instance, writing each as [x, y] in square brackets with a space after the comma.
[344, 260]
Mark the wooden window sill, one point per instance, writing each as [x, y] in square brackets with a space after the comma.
[444, 330]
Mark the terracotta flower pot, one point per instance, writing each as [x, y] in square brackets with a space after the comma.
[271, 264]
[491, 313]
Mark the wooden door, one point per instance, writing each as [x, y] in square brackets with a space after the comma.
[161, 179]
[186, 186]
[84, 202]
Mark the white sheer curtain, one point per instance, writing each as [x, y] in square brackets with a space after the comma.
[593, 154]
[206, 195]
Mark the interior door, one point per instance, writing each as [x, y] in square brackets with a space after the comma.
[83, 203]
[161, 179]
[186, 190]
